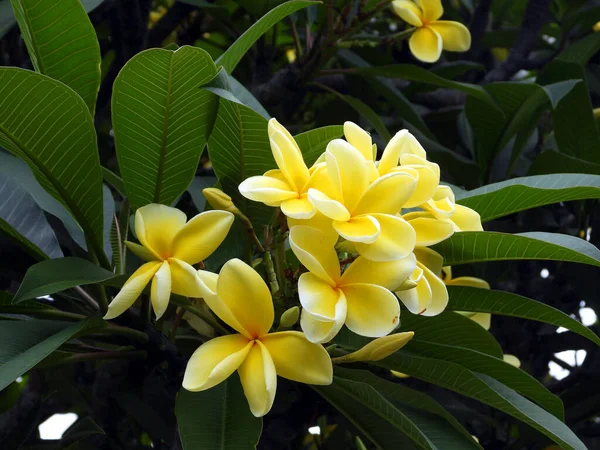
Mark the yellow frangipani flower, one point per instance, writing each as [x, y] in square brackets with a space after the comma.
[171, 246]
[288, 186]
[443, 206]
[241, 298]
[431, 35]
[360, 297]
[483, 319]
[429, 296]
[362, 211]
[378, 349]
[219, 200]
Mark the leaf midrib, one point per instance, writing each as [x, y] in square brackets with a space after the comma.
[36, 50]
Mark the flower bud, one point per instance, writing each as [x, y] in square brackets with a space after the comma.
[379, 348]
[289, 317]
[219, 200]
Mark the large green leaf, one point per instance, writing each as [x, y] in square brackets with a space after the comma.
[479, 246]
[508, 374]
[161, 120]
[62, 44]
[48, 125]
[463, 298]
[507, 197]
[485, 389]
[25, 343]
[24, 222]
[239, 148]
[313, 143]
[55, 275]
[217, 419]
[232, 56]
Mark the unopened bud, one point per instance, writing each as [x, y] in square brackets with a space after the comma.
[289, 317]
[378, 349]
[219, 200]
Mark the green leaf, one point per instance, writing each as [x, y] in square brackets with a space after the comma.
[195, 189]
[480, 246]
[217, 419]
[232, 56]
[24, 222]
[463, 298]
[26, 343]
[239, 148]
[313, 143]
[62, 44]
[55, 275]
[48, 125]
[161, 121]
[507, 197]
[81, 429]
[550, 161]
[485, 389]
[113, 180]
[508, 374]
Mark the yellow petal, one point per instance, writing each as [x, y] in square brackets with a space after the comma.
[208, 282]
[439, 294]
[466, 219]
[408, 11]
[411, 146]
[359, 139]
[373, 311]
[347, 172]
[513, 361]
[396, 239]
[417, 298]
[201, 236]
[379, 348]
[259, 379]
[219, 200]
[156, 226]
[469, 281]
[426, 45]
[432, 9]
[430, 258]
[319, 179]
[185, 280]
[483, 319]
[327, 206]
[289, 159]
[214, 361]
[132, 289]
[310, 247]
[391, 154]
[298, 208]
[319, 331]
[161, 290]
[246, 294]
[387, 195]
[428, 178]
[358, 229]
[318, 297]
[274, 126]
[298, 359]
[267, 190]
[321, 223]
[455, 36]
[140, 251]
[388, 274]
[429, 230]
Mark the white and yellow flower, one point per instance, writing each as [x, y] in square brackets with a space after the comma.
[443, 206]
[170, 244]
[241, 298]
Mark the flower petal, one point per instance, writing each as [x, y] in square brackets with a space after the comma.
[274, 126]
[429, 230]
[430, 258]
[132, 289]
[247, 296]
[318, 297]
[439, 294]
[359, 139]
[466, 219]
[319, 221]
[201, 236]
[140, 251]
[468, 281]
[432, 9]
[259, 379]
[417, 298]
[267, 189]
[426, 45]
[358, 229]
[298, 208]
[388, 274]
[483, 319]
[373, 311]
[208, 282]
[156, 226]
[298, 359]
[347, 171]
[310, 247]
[391, 154]
[396, 240]
[319, 179]
[318, 331]
[185, 280]
[289, 159]
[387, 195]
[214, 361]
[327, 206]
[408, 11]
[428, 178]
[455, 36]
[160, 292]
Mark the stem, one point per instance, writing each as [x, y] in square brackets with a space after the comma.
[296, 38]
[280, 264]
[55, 313]
[204, 316]
[103, 298]
[101, 356]
[176, 322]
[136, 335]
[87, 298]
